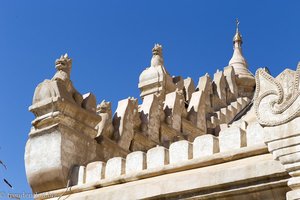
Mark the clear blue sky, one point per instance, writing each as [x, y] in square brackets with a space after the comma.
[110, 43]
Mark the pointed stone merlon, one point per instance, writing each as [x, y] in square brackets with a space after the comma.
[150, 117]
[89, 102]
[232, 92]
[180, 151]
[197, 110]
[123, 122]
[219, 91]
[232, 138]
[189, 88]
[205, 145]
[173, 109]
[179, 83]
[157, 157]
[135, 162]
[95, 171]
[205, 85]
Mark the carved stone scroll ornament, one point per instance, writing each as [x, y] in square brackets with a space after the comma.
[277, 99]
[277, 108]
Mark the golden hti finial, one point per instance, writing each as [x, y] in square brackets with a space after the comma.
[237, 37]
[237, 24]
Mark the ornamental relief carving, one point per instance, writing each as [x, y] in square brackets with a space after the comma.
[277, 100]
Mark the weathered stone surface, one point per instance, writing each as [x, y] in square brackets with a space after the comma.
[95, 171]
[141, 142]
[150, 116]
[189, 131]
[205, 145]
[173, 108]
[89, 102]
[189, 88]
[205, 85]
[196, 110]
[180, 151]
[157, 157]
[232, 138]
[219, 91]
[51, 153]
[232, 92]
[168, 135]
[115, 167]
[135, 162]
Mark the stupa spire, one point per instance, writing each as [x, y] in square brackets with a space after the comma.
[245, 78]
[238, 61]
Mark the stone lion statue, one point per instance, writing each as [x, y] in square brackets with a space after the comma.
[60, 85]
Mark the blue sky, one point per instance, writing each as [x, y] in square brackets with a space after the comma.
[110, 43]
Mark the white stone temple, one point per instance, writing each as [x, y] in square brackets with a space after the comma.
[233, 136]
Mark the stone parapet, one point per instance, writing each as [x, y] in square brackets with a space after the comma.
[241, 164]
[231, 141]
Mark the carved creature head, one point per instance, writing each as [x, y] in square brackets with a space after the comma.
[64, 63]
[104, 107]
[157, 50]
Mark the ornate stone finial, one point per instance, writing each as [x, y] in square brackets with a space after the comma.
[156, 79]
[157, 56]
[237, 25]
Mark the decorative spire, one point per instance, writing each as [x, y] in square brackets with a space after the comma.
[238, 61]
[245, 79]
